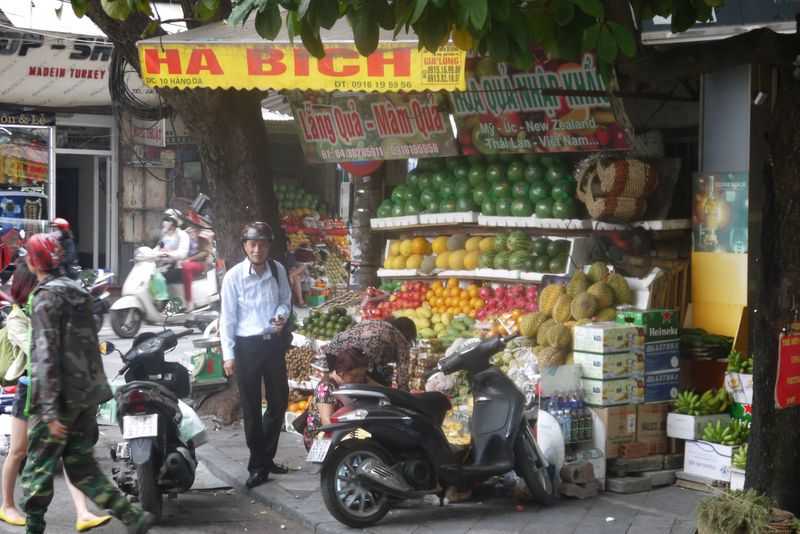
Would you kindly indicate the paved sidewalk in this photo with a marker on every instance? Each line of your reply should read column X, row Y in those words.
column 297, row 496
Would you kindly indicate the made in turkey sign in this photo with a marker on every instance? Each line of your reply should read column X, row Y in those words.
column 505, row 110
column 357, row 127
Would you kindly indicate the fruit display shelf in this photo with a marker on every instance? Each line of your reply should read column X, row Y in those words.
column 485, row 222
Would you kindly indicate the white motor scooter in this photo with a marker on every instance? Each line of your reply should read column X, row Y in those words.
column 137, row 305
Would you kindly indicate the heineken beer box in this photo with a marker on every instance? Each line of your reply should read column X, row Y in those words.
column 603, row 337
column 656, row 387
column 657, row 325
column 655, row 357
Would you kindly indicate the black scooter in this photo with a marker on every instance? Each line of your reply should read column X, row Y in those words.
column 407, row 454
column 156, row 459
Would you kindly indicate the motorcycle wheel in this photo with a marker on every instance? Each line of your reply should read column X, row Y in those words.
column 532, row 466
column 147, row 488
column 126, row 323
column 344, row 496
column 98, row 322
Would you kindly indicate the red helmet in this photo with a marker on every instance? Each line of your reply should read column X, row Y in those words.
column 61, row 223
column 44, row 252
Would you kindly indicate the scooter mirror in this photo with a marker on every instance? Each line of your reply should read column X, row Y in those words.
column 106, row 348
column 88, row 276
column 173, row 306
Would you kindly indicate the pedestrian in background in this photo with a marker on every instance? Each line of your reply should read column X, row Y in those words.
column 61, row 230
column 256, row 305
column 67, row 386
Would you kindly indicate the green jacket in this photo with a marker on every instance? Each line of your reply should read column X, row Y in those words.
column 66, row 367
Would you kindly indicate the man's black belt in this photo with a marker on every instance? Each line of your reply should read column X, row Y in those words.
column 260, row 337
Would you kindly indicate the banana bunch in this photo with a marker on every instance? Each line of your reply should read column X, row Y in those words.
column 740, row 458
column 738, row 363
column 712, row 401
column 734, row 433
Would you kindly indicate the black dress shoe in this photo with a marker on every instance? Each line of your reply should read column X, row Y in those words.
column 256, row 479
column 278, row 469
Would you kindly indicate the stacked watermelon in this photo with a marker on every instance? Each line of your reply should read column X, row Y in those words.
column 518, row 251
column 505, row 185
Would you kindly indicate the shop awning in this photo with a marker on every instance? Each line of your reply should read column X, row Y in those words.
column 220, row 56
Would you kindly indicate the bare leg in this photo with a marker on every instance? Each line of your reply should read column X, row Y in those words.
column 16, row 454
column 79, row 499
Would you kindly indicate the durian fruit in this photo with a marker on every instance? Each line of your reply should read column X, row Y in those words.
column 571, row 325
column 541, row 335
column 529, row 325
column 602, row 293
column 537, row 349
column 548, row 297
column 583, row 306
column 528, row 341
column 607, row 314
column 578, row 284
column 597, row 271
column 561, row 308
column 581, row 322
column 570, row 359
column 558, row 336
column 550, row 357
column 619, row 287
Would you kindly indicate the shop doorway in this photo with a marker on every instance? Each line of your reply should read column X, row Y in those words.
column 83, row 197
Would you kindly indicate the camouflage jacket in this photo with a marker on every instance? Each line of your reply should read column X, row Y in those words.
column 66, row 367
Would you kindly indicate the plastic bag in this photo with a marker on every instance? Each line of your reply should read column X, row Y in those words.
column 158, row 286
column 191, row 427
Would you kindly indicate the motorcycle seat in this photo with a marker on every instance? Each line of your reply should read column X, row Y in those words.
column 430, row 403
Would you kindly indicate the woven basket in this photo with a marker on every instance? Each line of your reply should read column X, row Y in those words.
column 617, row 178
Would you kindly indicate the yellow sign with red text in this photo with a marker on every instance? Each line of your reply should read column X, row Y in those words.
column 392, row 67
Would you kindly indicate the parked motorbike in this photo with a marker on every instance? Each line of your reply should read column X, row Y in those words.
column 160, row 431
column 407, row 454
column 96, row 283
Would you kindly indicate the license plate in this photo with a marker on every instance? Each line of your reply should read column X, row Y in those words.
column 319, row 449
column 139, row 426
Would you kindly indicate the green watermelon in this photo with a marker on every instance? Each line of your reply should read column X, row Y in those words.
column 530, row 264
column 399, row 209
column 501, row 260
column 500, row 242
column 486, row 260
column 447, row 205
column 479, row 192
column 519, row 241
column 521, row 207
column 518, row 260
column 504, row 206
column 385, row 209
column 413, row 207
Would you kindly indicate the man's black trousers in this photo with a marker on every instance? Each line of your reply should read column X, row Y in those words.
column 262, row 361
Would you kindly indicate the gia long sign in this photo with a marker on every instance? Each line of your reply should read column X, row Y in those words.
column 360, row 126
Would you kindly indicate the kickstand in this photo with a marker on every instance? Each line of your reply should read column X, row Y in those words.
column 441, row 495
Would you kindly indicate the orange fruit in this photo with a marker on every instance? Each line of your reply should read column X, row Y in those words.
column 473, row 290
column 420, row 245
column 452, row 282
column 465, row 309
column 472, row 313
column 429, row 295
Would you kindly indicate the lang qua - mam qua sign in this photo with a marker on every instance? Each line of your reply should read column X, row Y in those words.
column 359, row 126
column 505, row 110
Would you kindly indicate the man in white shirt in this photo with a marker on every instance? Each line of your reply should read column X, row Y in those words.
column 256, row 303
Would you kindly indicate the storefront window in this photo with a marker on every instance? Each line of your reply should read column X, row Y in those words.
column 83, row 137
column 24, row 158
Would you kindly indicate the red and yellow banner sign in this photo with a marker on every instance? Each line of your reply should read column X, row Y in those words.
column 787, row 385
column 392, row 67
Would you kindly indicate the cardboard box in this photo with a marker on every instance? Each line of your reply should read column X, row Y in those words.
column 682, row 426
column 207, row 365
column 603, row 337
column 651, row 426
column 661, row 387
column 710, row 460
column 620, row 427
column 603, row 366
column 742, row 411
column 655, row 357
column 737, row 478
column 606, row 392
column 657, row 324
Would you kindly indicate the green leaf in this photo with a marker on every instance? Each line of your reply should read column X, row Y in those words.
column 624, row 38
column 683, row 16
column 568, row 40
column 292, row 25
column 143, row 7
column 150, row 30
column 662, row 7
column 382, row 12
column 521, row 58
column 268, row 22
column 703, row 11
column 498, row 43
column 203, row 13
column 241, row 12
column 289, row 5
column 564, row 12
column 419, row 8
column 432, row 29
column 210, row 4
column 605, row 70
column 311, row 40
column 79, row 7
column 478, row 11
column 462, row 19
column 59, row 10
column 518, row 29
column 542, row 30
column 326, row 13
column 591, row 7
column 365, row 31
column 590, row 37
column 606, row 45
column 501, row 10
column 303, row 9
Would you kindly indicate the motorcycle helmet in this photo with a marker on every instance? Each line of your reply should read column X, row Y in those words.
column 44, row 251
column 173, row 216
column 61, row 223
column 258, row 231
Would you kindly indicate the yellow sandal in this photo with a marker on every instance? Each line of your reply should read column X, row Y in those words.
column 85, row 526
column 14, row 522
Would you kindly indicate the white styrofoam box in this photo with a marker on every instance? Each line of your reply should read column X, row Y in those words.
column 393, row 273
column 606, row 392
column 457, row 273
column 683, row 426
column 710, row 460
column 502, row 221
column 737, row 478
column 394, row 222
column 559, row 378
column 670, row 224
column 603, row 337
column 740, row 385
column 497, row 274
column 467, row 217
column 580, row 250
column 603, row 366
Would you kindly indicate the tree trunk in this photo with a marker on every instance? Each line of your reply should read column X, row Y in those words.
column 773, row 457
